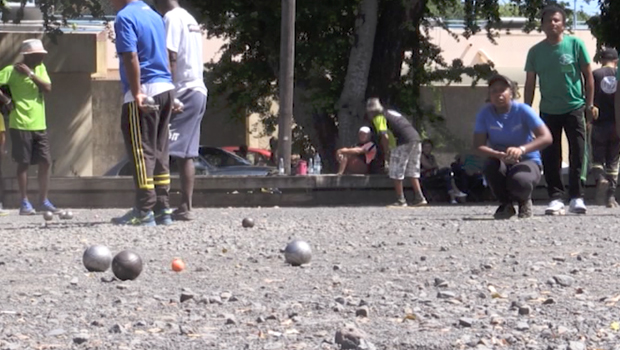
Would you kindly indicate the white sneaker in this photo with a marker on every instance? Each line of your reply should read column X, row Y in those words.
column 556, row 207
column 457, row 193
column 577, row 206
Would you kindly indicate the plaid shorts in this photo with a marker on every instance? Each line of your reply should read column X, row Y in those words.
column 405, row 161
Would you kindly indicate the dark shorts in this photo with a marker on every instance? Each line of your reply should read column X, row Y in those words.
column 30, row 147
column 185, row 126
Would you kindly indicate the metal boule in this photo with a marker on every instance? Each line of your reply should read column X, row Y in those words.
column 297, row 253
column 127, row 265
column 97, row 258
column 247, row 223
column 48, row 216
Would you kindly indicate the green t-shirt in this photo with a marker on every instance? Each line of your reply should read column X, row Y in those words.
column 29, row 112
column 559, row 72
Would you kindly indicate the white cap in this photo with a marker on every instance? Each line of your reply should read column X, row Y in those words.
column 32, row 46
column 365, row 130
column 374, row 105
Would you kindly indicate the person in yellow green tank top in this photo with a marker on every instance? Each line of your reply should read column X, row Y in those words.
column 561, row 62
column 28, row 81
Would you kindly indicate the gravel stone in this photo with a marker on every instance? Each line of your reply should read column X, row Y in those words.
column 466, row 322
column 563, row 280
column 80, row 339
column 522, row 326
column 362, row 311
column 576, row 345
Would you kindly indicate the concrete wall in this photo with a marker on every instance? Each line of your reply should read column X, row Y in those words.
column 108, row 146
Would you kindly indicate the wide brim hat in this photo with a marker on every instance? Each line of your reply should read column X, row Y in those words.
column 373, row 105
column 32, row 46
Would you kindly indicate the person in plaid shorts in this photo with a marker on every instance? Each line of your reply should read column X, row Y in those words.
column 400, row 142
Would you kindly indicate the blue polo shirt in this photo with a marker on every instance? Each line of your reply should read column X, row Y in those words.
column 512, row 129
column 140, row 29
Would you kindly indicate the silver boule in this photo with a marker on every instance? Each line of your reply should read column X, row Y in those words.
column 178, row 104
column 48, row 216
column 97, row 258
column 149, row 101
column 297, row 253
column 67, row 215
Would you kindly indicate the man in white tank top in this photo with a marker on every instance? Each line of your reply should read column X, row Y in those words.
column 184, row 43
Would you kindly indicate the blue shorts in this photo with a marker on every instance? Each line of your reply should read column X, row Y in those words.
column 185, row 126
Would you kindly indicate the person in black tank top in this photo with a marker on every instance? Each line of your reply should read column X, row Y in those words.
column 394, row 127
column 604, row 139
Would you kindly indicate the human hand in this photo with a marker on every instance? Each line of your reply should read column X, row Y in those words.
column 23, row 69
column 514, row 153
column 592, row 113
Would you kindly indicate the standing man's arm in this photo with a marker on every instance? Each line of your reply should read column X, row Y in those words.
column 591, row 111
column 127, row 48
column 586, row 71
column 42, row 82
column 132, row 71
column 174, row 31
column 530, row 87
column 530, row 78
column 172, row 57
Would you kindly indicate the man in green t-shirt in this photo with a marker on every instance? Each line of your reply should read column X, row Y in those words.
column 561, row 62
column 28, row 81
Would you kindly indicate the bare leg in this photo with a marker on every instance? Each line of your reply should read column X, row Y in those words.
column 398, row 186
column 44, row 179
column 187, row 174
column 22, row 180
column 417, row 189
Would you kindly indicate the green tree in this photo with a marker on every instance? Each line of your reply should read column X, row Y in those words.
column 606, row 26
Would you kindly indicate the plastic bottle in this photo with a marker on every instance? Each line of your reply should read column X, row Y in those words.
column 317, row 164
column 281, row 166
column 310, row 167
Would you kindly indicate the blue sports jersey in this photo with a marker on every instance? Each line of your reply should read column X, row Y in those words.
column 512, row 129
column 140, row 29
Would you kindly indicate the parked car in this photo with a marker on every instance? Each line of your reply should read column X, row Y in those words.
column 256, row 156
column 211, row 161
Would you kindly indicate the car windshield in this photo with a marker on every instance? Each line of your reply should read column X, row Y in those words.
column 220, row 158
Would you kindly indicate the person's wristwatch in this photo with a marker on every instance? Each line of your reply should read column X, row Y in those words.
column 522, row 148
column 30, row 74
column 591, row 107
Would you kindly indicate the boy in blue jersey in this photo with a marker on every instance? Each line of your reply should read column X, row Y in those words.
column 141, row 47
column 511, row 135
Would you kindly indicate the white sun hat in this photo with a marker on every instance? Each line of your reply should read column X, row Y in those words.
column 365, row 130
column 32, row 46
column 374, row 105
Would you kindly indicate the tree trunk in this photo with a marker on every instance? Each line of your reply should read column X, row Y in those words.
column 351, row 102
column 393, row 35
column 388, row 53
column 318, row 125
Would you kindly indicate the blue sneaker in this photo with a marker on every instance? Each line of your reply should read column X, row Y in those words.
column 26, row 208
column 164, row 217
column 135, row 217
column 48, row 206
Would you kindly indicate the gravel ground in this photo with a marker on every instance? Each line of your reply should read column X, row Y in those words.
column 414, row 278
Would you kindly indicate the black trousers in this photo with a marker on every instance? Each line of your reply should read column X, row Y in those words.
column 146, row 139
column 605, row 153
column 574, row 125
column 514, row 182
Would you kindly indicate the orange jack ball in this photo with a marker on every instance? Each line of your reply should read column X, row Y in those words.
column 178, row 265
